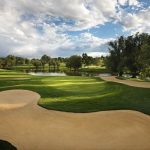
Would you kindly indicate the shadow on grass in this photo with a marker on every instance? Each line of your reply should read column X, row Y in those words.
column 112, row 97
column 78, row 94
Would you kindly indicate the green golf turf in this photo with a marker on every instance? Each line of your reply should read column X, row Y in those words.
column 79, row 94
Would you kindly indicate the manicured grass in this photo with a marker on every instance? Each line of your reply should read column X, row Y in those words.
column 8, row 74
column 81, row 94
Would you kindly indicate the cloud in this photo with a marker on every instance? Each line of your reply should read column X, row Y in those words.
column 91, row 43
column 97, row 54
column 129, row 2
column 32, row 28
column 86, row 13
column 138, row 22
column 83, row 43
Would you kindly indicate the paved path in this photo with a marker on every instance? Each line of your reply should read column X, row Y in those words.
column 127, row 82
column 30, row 127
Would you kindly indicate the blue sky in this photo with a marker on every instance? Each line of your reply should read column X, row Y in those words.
column 32, row 28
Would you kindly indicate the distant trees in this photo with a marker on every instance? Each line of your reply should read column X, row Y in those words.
column 1, row 63
column 131, row 54
column 20, row 61
column 87, row 60
column 53, row 64
column 10, row 61
column 47, row 63
column 74, row 62
column 45, row 60
column 36, row 63
column 27, row 61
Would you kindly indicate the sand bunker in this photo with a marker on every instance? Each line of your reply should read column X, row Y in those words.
column 34, row 128
column 16, row 98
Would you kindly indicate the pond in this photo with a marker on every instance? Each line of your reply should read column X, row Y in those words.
column 67, row 74
column 104, row 74
column 47, row 74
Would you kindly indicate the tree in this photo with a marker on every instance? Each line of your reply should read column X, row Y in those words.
column 49, row 63
column 20, row 61
column 36, row 63
column 10, row 61
column 27, row 61
column 1, row 63
column 132, row 53
column 53, row 64
column 44, row 60
column 144, row 57
column 86, row 60
column 115, row 61
column 74, row 62
column 68, row 63
column 57, row 65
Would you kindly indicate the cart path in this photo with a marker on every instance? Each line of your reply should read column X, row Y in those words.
column 127, row 82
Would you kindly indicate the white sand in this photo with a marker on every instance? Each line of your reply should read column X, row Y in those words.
column 30, row 127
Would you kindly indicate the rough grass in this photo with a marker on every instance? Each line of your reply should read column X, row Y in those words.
column 80, row 94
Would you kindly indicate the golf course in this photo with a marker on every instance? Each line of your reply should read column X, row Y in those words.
column 74, row 74
column 78, row 94
column 58, row 112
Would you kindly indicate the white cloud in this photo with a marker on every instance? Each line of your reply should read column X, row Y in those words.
column 88, row 43
column 136, row 22
column 129, row 2
column 27, row 27
column 97, row 54
column 86, row 13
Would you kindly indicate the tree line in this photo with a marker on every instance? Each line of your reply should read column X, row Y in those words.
column 11, row 61
column 130, row 55
column 73, row 62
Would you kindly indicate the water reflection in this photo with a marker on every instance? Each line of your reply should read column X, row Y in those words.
column 104, row 74
column 72, row 73
column 47, row 74
column 40, row 72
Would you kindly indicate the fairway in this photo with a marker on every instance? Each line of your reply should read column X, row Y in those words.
column 79, row 94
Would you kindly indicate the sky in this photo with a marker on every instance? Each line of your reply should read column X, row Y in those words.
column 61, row 28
